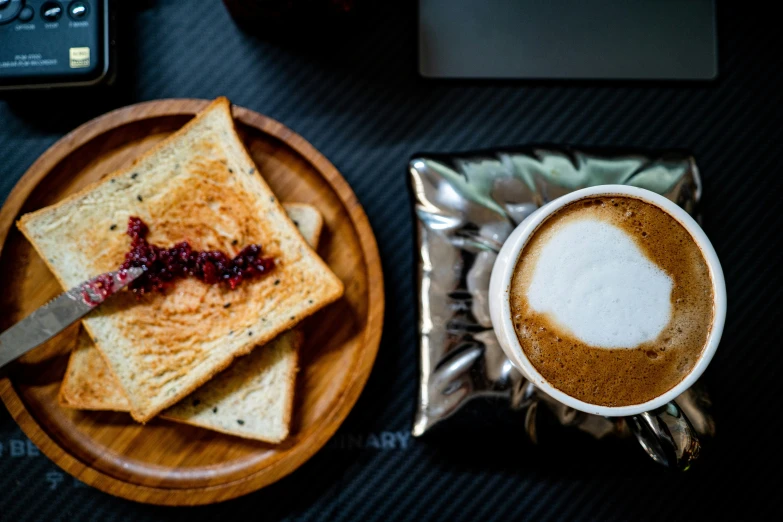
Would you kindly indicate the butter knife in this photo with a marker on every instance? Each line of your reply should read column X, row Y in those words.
column 61, row 312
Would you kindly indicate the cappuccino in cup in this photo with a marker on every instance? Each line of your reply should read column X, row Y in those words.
column 612, row 300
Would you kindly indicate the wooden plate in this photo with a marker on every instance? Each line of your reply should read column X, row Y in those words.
column 165, row 462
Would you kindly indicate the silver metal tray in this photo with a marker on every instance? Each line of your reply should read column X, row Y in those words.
column 466, row 205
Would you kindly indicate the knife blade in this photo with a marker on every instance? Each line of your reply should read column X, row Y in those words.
column 61, row 312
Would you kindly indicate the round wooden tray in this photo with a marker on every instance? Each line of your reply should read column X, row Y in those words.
column 165, row 462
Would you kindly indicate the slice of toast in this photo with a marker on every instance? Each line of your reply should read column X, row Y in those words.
column 257, row 389
column 199, row 185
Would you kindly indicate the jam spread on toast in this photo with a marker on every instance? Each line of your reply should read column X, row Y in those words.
column 162, row 266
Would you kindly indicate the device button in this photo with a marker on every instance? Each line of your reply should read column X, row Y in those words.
column 9, row 9
column 51, row 11
column 26, row 14
column 78, row 10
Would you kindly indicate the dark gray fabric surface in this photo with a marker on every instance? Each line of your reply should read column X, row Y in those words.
column 356, row 97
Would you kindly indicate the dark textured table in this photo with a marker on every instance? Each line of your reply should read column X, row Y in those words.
column 358, row 99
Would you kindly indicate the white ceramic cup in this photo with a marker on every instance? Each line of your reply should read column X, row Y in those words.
column 500, row 307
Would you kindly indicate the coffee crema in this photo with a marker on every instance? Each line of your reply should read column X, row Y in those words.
column 612, row 300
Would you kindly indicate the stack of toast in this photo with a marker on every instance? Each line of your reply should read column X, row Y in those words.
column 200, row 354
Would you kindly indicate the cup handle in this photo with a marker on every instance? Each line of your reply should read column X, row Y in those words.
column 667, row 436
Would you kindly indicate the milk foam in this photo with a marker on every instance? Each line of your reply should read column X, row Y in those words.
column 593, row 279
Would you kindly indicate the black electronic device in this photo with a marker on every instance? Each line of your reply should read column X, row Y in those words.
column 47, row 43
column 568, row 39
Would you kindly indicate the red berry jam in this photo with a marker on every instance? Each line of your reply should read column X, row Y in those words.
column 102, row 287
column 162, row 266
